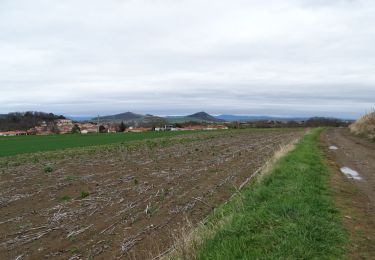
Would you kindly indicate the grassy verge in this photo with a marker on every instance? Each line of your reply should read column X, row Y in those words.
column 289, row 214
column 365, row 126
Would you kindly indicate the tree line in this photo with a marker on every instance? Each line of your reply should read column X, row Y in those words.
column 25, row 120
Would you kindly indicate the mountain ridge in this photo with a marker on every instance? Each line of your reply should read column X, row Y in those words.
column 122, row 116
column 130, row 116
column 205, row 116
column 246, row 118
column 201, row 117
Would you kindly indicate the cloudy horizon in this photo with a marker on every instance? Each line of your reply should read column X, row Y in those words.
column 168, row 57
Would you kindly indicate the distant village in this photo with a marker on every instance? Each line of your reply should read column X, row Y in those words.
column 67, row 126
column 40, row 123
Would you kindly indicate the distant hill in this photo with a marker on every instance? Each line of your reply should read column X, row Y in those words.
column 79, row 118
column 201, row 117
column 244, row 118
column 205, row 117
column 150, row 121
column 181, row 119
column 121, row 117
column 133, row 119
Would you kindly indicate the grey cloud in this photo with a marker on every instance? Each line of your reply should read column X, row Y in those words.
column 267, row 57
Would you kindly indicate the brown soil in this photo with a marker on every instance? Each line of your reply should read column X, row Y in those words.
column 137, row 199
column 355, row 198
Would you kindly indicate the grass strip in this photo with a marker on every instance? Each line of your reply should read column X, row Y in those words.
column 289, row 214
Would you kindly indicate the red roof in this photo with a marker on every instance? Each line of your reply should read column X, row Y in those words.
column 13, row 132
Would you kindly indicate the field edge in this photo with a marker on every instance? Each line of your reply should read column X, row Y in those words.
column 273, row 217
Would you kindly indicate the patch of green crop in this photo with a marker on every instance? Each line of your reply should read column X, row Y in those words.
column 30, row 144
column 84, row 194
column 69, row 178
column 47, row 168
column 65, row 198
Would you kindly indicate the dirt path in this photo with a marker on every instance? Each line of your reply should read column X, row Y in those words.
column 355, row 197
column 357, row 154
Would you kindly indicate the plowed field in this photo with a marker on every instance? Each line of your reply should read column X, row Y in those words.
column 124, row 201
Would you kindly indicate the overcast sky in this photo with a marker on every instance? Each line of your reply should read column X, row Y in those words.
column 269, row 57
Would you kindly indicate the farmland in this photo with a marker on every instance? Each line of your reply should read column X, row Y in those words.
column 126, row 199
column 31, row 144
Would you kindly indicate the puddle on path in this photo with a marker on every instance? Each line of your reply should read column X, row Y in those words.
column 351, row 174
column 332, row 147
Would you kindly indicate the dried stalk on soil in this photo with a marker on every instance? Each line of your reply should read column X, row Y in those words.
column 74, row 233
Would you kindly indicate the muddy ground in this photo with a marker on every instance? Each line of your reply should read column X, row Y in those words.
column 357, row 154
column 126, row 203
column 354, row 197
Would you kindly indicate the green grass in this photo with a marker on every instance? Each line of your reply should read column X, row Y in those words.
column 47, row 169
column 84, row 194
column 288, row 215
column 30, row 144
column 65, row 198
column 70, row 178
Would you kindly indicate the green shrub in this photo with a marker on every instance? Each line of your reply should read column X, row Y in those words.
column 84, row 194
column 47, row 169
column 65, row 198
